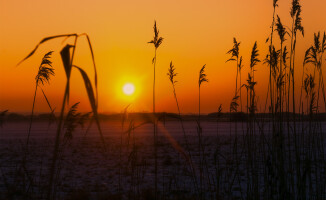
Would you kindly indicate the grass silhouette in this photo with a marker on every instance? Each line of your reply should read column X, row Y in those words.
column 67, row 59
column 44, row 74
column 157, row 41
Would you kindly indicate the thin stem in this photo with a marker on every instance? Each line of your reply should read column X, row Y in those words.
column 154, row 126
column 31, row 122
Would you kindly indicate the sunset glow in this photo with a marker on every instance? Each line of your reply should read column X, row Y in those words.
column 195, row 33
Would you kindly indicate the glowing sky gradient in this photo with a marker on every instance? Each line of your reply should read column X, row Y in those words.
column 195, row 33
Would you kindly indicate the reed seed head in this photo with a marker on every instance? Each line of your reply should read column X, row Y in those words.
column 171, row 73
column 45, row 70
column 157, row 41
column 202, row 76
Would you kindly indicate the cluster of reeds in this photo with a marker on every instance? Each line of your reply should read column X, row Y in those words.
column 283, row 148
column 73, row 119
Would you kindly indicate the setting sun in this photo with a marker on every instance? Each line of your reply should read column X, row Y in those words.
column 128, row 89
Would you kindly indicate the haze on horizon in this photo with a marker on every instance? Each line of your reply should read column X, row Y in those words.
column 195, row 33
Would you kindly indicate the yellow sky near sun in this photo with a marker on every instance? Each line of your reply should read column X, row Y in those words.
column 195, row 33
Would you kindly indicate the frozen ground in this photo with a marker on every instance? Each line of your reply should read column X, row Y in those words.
column 126, row 168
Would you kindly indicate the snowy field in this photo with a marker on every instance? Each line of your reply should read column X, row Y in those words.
column 221, row 167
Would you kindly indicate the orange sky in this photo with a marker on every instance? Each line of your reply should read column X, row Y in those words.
column 195, row 32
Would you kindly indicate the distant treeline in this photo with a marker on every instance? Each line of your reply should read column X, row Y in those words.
column 163, row 116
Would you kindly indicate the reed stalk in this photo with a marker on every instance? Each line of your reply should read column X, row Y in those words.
column 157, row 41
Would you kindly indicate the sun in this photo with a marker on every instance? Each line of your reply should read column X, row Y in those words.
column 128, row 89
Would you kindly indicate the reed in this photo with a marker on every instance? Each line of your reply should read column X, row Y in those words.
column 235, row 57
column 251, row 143
column 45, row 71
column 156, row 41
column 172, row 74
column 201, row 79
column 270, row 55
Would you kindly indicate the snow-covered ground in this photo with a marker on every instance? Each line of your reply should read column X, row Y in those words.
column 126, row 167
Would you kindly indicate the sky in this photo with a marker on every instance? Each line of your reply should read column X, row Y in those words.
column 195, row 33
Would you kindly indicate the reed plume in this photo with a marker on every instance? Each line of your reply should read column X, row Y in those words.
column 171, row 73
column 309, row 85
column 235, row 57
column 254, row 59
column 73, row 120
column 202, row 78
